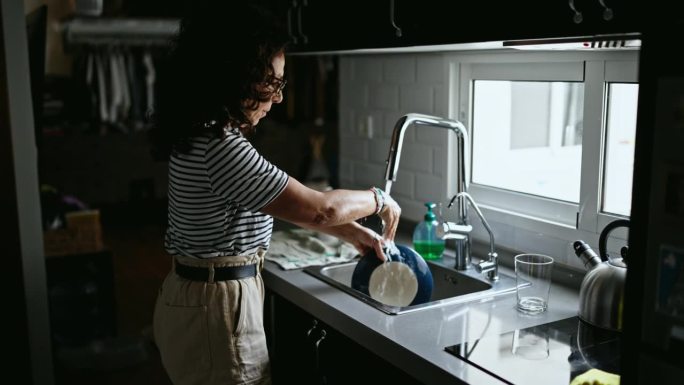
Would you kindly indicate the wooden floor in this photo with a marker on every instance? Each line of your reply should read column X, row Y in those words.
column 139, row 265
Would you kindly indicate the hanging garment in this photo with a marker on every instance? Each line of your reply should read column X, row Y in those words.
column 125, row 90
column 101, row 88
column 136, row 84
column 149, row 81
column 115, row 91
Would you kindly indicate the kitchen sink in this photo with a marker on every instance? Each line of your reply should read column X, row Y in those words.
column 450, row 286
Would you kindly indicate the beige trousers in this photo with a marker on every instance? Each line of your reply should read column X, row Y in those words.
column 212, row 332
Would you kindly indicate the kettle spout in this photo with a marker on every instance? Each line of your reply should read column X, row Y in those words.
column 586, row 254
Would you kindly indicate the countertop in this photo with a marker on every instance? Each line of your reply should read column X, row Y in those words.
column 416, row 341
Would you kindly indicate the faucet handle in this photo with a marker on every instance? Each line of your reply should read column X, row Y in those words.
column 489, row 266
column 450, row 230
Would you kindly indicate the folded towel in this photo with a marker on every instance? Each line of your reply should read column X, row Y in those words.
column 596, row 377
column 297, row 248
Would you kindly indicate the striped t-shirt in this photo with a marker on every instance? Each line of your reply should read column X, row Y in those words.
column 215, row 193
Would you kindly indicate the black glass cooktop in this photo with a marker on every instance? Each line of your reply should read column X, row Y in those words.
column 553, row 353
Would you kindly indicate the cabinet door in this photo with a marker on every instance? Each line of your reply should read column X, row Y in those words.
column 288, row 332
column 343, row 25
column 323, row 25
column 304, row 350
column 343, row 362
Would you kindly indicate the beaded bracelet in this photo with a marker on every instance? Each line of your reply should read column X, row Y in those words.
column 379, row 199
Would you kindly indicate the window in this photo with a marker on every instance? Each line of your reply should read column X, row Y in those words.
column 536, row 131
column 552, row 135
column 619, row 155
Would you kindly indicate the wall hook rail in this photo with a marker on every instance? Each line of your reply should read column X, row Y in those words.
column 607, row 11
column 577, row 18
column 397, row 30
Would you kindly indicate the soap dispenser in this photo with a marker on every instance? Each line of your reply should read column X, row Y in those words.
column 425, row 239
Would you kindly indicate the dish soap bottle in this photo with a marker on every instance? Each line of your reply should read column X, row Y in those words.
column 425, row 239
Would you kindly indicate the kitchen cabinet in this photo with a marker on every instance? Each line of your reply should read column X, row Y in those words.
column 318, row 25
column 430, row 22
column 304, row 350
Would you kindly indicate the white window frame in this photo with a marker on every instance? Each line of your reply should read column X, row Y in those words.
column 564, row 220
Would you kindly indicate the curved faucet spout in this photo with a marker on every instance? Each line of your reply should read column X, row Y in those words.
column 463, row 168
column 426, row 120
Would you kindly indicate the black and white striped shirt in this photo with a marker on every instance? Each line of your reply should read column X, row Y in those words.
column 215, row 193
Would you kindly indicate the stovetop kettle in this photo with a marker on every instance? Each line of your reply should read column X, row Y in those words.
column 602, row 290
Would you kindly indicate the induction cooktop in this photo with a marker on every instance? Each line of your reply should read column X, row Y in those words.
column 552, row 353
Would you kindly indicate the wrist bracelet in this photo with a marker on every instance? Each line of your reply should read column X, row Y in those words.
column 379, row 199
column 376, row 199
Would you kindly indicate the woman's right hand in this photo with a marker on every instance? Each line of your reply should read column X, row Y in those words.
column 390, row 215
column 362, row 238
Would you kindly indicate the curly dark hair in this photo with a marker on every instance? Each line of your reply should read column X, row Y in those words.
column 210, row 78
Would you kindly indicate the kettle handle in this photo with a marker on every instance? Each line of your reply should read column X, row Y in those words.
column 603, row 238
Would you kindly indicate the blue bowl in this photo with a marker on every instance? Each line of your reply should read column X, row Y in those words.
column 404, row 280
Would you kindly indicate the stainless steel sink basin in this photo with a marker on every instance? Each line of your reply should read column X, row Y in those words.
column 450, row 286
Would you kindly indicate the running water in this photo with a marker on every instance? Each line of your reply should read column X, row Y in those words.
column 388, row 186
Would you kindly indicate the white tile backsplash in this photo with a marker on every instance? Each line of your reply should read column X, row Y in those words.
column 410, row 208
column 346, row 169
column 378, row 149
column 346, row 71
column 429, row 188
column 417, row 98
column 399, row 70
column 530, row 242
column 354, row 148
column 430, row 69
column 404, row 186
column 433, row 136
column 367, row 174
column 378, row 118
column 347, row 123
column 441, row 105
column 354, row 95
column 385, row 96
column 439, row 163
column 367, row 69
column 416, row 157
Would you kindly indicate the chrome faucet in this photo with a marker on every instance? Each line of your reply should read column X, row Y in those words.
column 489, row 267
column 462, row 243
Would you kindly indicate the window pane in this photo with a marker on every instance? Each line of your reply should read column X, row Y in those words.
column 619, row 158
column 527, row 137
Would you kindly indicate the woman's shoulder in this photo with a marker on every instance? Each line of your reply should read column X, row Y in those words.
column 230, row 138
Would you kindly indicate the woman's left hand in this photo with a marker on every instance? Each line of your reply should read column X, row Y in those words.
column 390, row 215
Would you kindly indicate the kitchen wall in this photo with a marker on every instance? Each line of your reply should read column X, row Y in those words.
column 375, row 91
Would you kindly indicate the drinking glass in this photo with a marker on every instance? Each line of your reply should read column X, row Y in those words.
column 533, row 280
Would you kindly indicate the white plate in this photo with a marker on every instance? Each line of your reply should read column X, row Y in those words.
column 393, row 283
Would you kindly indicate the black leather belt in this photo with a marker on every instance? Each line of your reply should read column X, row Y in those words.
column 224, row 273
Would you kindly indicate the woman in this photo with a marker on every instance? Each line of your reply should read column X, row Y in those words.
column 225, row 73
